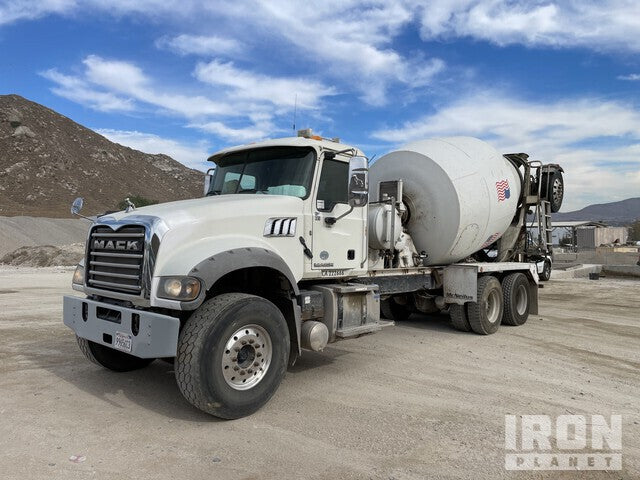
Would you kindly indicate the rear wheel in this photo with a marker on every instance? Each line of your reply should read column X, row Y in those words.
column 232, row 355
column 515, row 288
column 109, row 358
column 394, row 311
column 459, row 318
column 485, row 314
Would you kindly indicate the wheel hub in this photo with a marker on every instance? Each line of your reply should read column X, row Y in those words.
column 246, row 357
column 557, row 191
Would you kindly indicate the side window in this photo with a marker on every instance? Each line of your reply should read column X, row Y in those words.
column 333, row 185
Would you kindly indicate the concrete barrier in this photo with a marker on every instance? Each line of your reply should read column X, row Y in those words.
column 622, row 270
column 579, row 271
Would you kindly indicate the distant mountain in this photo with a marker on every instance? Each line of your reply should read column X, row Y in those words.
column 614, row 213
column 46, row 160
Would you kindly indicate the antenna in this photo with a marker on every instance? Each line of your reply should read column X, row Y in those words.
column 295, row 111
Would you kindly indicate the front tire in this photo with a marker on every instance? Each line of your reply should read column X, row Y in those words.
column 485, row 314
column 545, row 275
column 232, row 355
column 111, row 359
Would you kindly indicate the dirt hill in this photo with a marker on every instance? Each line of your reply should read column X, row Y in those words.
column 614, row 213
column 46, row 160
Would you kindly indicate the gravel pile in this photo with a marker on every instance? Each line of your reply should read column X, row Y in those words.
column 45, row 256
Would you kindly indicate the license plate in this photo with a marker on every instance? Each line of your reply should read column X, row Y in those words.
column 123, row 342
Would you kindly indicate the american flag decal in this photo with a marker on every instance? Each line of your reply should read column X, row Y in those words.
column 503, row 189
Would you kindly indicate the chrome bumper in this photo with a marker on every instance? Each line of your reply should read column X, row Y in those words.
column 156, row 335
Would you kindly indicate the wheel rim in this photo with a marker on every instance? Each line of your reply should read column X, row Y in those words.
column 246, row 357
column 522, row 300
column 493, row 306
column 558, row 191
column 547, row 269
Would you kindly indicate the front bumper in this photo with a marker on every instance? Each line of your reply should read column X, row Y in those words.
column 157, row 335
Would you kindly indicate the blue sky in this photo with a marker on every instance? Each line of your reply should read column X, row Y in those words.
column 559, row 80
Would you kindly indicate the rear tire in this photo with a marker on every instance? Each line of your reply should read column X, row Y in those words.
column 485, row 314
column 232, row 355
column 394, row 311
column 111, row 359
column 459, row 318
column 517, row 297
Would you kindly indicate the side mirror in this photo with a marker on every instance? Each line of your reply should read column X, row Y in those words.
column 208, row 177
column 77, row 205
column 358, row 182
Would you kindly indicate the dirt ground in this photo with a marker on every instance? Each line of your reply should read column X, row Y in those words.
column 415, row 401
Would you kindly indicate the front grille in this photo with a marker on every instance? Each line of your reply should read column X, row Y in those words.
column 115, row 259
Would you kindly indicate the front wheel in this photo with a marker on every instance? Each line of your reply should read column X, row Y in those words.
column 109, row 358
column 545, row 275
column 232, row 355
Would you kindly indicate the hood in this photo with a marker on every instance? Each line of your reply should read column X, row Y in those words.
column 216, row 207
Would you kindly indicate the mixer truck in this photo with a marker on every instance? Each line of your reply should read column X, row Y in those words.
column 299, row 242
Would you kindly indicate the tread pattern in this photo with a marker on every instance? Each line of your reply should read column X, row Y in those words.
column 477, row 310
column 190, row 346
column 83, row 343
column 509, row 285
column 459, row 319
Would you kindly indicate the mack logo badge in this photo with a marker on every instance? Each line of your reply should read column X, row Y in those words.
column 116, row 244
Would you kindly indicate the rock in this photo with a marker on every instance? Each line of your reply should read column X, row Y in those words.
column 23, row 131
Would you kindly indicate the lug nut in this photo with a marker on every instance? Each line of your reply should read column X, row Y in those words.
column 258, row 354
column 234, row 359
column 244, row 342
column 236, row 368
column 251, row 340
column 255, row 364
column 242, row 372
column 249, row 371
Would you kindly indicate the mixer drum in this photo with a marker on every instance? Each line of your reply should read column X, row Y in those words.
column 460, row 192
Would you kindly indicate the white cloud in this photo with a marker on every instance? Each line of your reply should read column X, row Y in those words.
column 79, row 91
column 12, row 11
column 193, row 156
column 249, row 86
column 241, row 97
column 599, row 25
column 125, row 78
column 632, row 77
column 348, row 40
column 186, row 44
column 241, row 135
column 568, row 132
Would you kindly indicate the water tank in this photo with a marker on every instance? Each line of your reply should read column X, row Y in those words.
column 461, row 194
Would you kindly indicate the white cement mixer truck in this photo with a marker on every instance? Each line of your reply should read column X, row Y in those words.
column 297, row 243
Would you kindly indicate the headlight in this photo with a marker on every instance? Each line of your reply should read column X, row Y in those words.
column 78, row 276
column 183, row 289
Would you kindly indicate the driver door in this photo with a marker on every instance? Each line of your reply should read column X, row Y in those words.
column 338, row 249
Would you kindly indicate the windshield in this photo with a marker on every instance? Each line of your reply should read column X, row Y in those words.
column 267, row 171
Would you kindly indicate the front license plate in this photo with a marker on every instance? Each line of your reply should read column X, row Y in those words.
column 122, row 342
